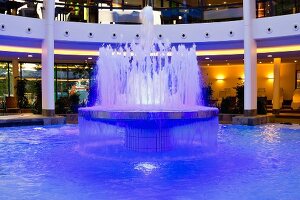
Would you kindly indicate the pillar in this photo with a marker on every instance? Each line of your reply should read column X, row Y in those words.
column 48, row 107
column 276, row 86
column 16, row 75
column 250, row 59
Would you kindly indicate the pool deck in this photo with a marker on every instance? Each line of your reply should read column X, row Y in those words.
column 31, row 119
column 286, row 118
column 28, row 119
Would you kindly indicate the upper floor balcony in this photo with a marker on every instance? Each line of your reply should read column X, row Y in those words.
column 166, row 11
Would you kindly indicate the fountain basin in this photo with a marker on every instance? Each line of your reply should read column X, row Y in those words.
column 150, row 129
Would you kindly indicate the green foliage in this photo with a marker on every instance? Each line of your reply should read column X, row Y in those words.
column 235, row 105
column 21, row 90
column 239, row 98
column 74, row 102
column 62, row 105
column 37, row 91
column 228, row 105
column 262, row 105
column 207, row 93
column 67, row 104
column 3, row 87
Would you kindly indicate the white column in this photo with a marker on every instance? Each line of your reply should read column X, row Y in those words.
column 48, row 108
column 276, row 86
column 250, row 59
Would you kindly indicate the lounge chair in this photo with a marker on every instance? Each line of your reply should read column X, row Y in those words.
column 296, row 100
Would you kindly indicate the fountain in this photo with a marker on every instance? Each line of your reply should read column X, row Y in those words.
column 149, row 99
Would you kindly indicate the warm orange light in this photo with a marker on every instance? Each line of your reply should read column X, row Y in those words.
column 76, row 52
column 242, row 77
column 220, row 77
column 270, row 76
column 220, row 52
column 276, row 49
column 20, row 49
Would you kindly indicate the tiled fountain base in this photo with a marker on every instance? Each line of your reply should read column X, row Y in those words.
column 149, row 131
column 149, row 140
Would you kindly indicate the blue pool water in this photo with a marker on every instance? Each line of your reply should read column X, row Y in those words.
column 261, row 162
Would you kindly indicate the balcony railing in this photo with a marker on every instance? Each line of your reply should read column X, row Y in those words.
column 104, row 11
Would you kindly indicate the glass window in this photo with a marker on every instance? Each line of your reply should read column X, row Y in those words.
column 72, row 79
column 79, row 80
column 62, row 84
column 3, row 81
column 6, row 79
column 31, row 72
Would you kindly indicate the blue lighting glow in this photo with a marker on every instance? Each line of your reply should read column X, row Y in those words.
column 260, row 162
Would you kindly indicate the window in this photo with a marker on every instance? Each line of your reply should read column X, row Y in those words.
column 31, row 72
column 72, row 78
column 6, row 77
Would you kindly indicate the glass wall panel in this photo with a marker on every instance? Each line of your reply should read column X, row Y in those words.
column 31, row 72
column 72, row 78
column 3, row 83
column 62, row 83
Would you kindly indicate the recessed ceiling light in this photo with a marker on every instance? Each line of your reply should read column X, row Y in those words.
column 207, row 58
column 179, row 17
column 90, row 58
column 209, row 4
column 270, row 56
column 225, row 2
column 295, row 61
column 18, row 58
column 29, row 56
column 207, row 64
column 260, row 62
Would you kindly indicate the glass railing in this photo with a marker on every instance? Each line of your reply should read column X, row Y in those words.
column 106, row 12
column 269, row 8
column 23, row 8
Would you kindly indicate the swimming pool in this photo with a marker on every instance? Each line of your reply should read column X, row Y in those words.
column 261, row 162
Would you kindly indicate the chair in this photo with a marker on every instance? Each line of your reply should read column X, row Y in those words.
column 296, row 100
column 222, row 94
column 30, row 11
column 11, row 105
column 228, row 92
column 261, row 92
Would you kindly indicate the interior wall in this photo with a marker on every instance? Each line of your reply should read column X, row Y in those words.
column 222, row 77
